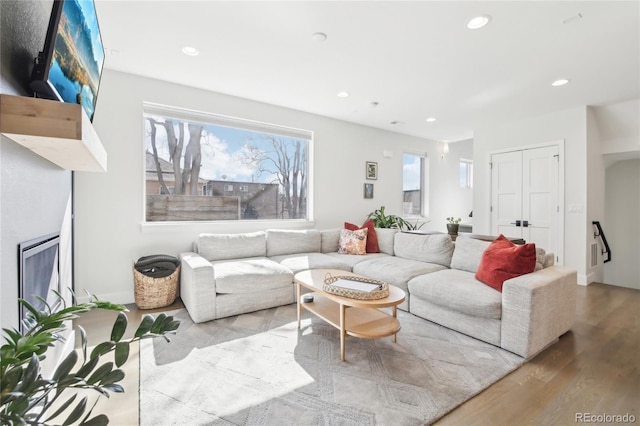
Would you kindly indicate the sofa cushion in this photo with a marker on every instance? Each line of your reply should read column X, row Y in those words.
column 503, row 260
column 457, row 290
column 372, row 239
column 329, row 239
column 353, row 259
column 280, row 241
column 385, row 239
column 433, row 248
column 541, row 257
column 249, row 275
column 467, row 253
column 303, row 261
column 394, row 270
column 232, row 246
column 549, row 259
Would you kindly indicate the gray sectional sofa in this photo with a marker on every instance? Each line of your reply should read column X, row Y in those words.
column 231, row 274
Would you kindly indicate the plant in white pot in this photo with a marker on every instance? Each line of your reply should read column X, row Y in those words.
column 453, row 225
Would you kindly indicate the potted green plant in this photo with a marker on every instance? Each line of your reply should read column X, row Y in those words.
column 453, row 225
column 383, row 220
column 28, row 398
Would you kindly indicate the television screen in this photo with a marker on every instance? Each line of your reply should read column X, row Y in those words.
column 72, row 60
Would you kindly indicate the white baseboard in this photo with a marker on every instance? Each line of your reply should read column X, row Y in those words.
column 122, row 297
column 587, row 279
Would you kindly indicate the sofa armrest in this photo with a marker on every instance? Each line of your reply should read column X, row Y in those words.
column 537, row 308
column 198, row 287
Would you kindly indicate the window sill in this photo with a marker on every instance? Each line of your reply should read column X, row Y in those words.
column 225, row 227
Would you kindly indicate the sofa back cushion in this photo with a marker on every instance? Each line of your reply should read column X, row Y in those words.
column 232, row 246
column 434, row 248
column 385, row 240
column 329, row 240
column 467, row 253
column 280, row 241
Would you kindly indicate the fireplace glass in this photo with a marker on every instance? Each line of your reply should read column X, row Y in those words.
column 39, row 272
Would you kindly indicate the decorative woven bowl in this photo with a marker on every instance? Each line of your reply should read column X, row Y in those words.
column 328, row 287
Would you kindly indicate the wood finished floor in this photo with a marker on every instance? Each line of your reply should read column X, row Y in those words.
column 594, row 368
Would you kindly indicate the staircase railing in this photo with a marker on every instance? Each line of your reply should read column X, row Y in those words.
column 599, row 232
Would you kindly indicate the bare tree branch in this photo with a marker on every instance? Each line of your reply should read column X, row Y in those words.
column 154, row 147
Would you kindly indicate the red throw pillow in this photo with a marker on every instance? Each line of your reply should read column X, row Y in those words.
column 372, row 238
column 503, row 260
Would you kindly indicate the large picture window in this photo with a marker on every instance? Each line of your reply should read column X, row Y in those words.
column 205, row 167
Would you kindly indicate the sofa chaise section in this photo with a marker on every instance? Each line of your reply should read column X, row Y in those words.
column 530, row 313
column 230, row 275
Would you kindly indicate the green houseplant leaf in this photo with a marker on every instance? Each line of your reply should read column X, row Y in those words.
column 119, row 327
column 383, row 220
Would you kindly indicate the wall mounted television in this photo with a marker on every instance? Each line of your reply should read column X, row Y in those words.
column 69, row 67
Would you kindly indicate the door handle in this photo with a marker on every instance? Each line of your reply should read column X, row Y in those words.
column 526, row 223
column 516, row 223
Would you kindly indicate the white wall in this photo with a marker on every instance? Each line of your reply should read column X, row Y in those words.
column 595, row 193
column 446, row 197
column 568, row 125
column 619, row 126
column 108, row 205
column 622, row 218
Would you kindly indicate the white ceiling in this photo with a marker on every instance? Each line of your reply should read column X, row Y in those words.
column 416, row 59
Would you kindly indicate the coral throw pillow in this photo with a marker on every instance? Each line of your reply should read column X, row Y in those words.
column 353, row 242
column 503, row 260
column 372, row 238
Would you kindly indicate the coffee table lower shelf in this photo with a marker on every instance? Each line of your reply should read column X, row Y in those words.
column 359, row 322
column 365, row 323
column 353, row 317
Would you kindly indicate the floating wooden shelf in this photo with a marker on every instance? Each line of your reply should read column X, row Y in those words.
column 58, row 131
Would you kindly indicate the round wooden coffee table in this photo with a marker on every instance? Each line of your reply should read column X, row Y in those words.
column 362, row 319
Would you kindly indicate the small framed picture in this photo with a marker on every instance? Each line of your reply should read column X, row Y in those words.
column 371, row 170
column 368, row 190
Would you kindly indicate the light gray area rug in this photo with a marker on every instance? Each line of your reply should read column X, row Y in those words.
column 259, row 369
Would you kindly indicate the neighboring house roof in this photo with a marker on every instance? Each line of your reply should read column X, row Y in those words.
column 165, row 166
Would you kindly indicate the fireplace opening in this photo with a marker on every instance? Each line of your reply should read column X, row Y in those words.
column 39, row 273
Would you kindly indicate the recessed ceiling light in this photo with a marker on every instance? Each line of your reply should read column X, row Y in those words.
column 319, row 37
column 431, row 119
column 478, row 22
column 560, row 82
column 343, row 94
column 190, row 51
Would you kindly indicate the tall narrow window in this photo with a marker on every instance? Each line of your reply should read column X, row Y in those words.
column 414, row 194
column 204, row 167
column 466, row 173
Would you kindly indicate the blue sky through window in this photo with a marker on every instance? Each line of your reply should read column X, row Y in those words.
column 227, row 151
column 411, row 165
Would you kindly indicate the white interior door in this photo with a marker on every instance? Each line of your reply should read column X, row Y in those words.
column 506, row 194
column 540, row 208
column 525, row 196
